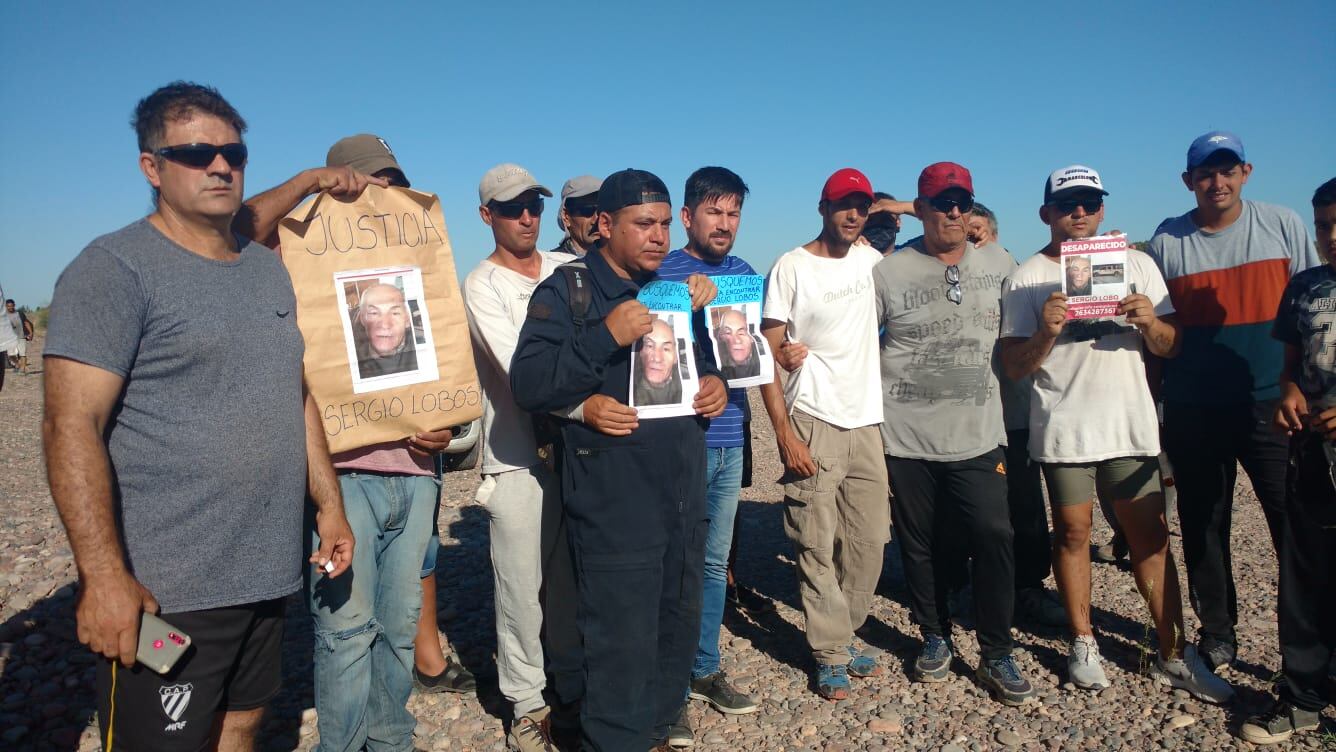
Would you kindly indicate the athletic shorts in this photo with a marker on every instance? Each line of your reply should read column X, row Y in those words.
column 1115, row 479
column 234, row 663
column 20, row 350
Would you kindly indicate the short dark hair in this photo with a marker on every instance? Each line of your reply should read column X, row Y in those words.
column 10, row 301
column 882, row 196
column 177, row 101
column 712, row 184
column 980, row 210
column 1325, row 195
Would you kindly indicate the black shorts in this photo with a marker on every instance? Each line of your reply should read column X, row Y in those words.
column 234, row 663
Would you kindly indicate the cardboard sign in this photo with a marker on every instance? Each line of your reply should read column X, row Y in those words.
column 1094, row 275
column 663, row 365
column 734, row 319
column 378, row 305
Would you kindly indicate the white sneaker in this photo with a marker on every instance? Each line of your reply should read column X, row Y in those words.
column 1084, row 666
column 1190, row 673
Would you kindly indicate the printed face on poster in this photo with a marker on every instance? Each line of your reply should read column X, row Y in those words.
column 663, row 372
column 1094, row 276
column 386, row 329
column 735, row 331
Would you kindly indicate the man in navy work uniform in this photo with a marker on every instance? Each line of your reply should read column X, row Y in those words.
column 633, row 491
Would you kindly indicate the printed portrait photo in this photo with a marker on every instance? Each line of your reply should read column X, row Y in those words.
column 1078, row 275
column 385, row 328
column 657, row 364
column 739, row 348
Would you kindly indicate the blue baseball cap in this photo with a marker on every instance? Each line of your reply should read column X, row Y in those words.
column 1209, row 143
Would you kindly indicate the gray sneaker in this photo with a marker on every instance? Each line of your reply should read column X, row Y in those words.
column 1279, row 724
column 716, row 690
column 532, row 732
column 1084, row 666
column 680, row 735
column 1190, row 673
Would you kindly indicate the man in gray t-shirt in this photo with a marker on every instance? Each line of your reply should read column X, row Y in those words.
column 178, row 440
column 939, row 306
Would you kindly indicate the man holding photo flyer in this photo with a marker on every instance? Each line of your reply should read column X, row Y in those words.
column 711, row 214
column 1092, row 419
column 633, row 488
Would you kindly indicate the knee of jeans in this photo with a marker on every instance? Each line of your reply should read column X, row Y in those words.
column 330, row 640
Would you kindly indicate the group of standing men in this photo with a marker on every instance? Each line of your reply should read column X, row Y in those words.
column 610, row 546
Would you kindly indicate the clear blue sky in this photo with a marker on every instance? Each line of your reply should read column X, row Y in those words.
column 783, row 93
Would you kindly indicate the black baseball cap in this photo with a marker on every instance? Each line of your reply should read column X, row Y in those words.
column 631, row 188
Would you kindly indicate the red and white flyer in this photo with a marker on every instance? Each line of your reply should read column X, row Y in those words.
column 1094, row 276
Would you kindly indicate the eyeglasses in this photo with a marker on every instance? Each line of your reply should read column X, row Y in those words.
column 943, row 205
column 954, row 293
column 516, row 209
column 1068, row 205
column 582, row 210
column 200, row 156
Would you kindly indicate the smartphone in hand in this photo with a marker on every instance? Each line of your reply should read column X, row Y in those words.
column 160, row 644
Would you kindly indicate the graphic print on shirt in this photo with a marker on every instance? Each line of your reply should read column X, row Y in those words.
column 948, row 363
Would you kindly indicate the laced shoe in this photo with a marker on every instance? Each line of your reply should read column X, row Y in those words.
column 1004, row 681
column 934, row 660
column 716, row 690
column 862, row 665
column 1085, row 668
column 1190, row 673
column 532, row 732
column 1279, row 724
column 832, row 681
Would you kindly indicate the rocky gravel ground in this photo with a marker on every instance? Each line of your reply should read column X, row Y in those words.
column 46, row 677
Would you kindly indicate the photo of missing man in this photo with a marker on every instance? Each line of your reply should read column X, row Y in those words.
column 737, row 350
column 1078, row 275
column 656, row 378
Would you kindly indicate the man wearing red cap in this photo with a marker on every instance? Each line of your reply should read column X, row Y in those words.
column 939, row 301
column 821, row 294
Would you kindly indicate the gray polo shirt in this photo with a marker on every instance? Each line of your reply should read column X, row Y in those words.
column 939, row 360
column 208, row 440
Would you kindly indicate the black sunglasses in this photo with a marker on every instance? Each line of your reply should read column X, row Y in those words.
column 943, row 204
column 582, row 210
column 516, row 209
column 954, row 293
column 1068, row 205
column 200, row 156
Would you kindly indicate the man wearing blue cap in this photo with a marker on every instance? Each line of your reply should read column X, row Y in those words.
column 1226, row 264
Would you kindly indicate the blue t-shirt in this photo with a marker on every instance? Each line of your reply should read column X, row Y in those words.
column 727, row 429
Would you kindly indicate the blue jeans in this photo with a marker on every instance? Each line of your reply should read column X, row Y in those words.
column 365, row 619
column 723, row 482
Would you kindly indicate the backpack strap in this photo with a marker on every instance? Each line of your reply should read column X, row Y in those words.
column 577, row 289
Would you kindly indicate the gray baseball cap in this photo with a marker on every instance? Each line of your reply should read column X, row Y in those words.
column 365, row 153
column 506, row 181
column 581, row 185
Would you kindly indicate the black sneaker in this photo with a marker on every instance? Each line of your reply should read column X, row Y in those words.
column 1279, row 724
column 1004, row 680
column 455, row 678
column 934, row 660
column 680, row 735
column 1216, row 653
column 716, row 690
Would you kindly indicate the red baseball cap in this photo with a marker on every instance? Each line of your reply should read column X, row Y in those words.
column 845, row 182
column 938, row 177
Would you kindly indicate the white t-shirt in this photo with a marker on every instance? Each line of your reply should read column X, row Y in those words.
column 828, row 304
column 1091, row 401
column 496, row 300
